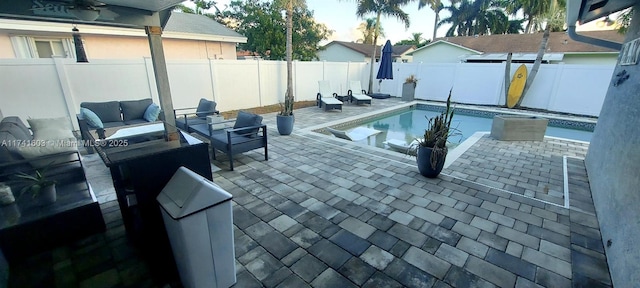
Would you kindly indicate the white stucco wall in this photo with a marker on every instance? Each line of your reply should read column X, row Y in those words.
column 440, row 53
column 339, row 53
column 121, row 47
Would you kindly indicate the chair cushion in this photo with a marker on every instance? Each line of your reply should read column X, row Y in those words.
column 205, row 108
column 152, row 112
column 92, row 119
column 134, row 109
column 51, row 128
column 246, row 119
column 107, row 111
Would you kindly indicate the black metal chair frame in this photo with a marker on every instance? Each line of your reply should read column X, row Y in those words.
column 358, row 102
column 239, row 140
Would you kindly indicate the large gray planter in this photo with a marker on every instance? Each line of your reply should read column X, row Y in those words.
column 408, row 91
column 518, row 128
column 285, row 124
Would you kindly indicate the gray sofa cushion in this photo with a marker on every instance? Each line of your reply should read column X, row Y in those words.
column 107, row 111
column 134, row 109
column 12, row 131
column 205, row 108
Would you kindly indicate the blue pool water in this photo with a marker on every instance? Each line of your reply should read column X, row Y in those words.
column 410, row 124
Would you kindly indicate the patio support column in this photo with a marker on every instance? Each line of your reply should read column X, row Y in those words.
column 154, row 34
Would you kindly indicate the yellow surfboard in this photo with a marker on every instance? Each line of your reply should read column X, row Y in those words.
column 517, row 86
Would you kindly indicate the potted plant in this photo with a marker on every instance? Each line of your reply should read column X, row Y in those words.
column 432, row 149
column 284, row 119
column 409, row 88
column 39, row 185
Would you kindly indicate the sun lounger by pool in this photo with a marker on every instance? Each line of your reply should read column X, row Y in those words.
column 356, row 93
column 400, row 145
column 356, row 134
column 326, row 97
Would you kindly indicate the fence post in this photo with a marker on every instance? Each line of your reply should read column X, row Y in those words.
column 259, row 81
column 212, row 81
column 67, row 95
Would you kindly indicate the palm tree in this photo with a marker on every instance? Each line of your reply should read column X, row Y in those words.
column 477, row 17
column 289, row 6
column 533, row 11
column 368, row 29
column 416, row 38
column 436, row 6
column 381, row 7
column 459, row 18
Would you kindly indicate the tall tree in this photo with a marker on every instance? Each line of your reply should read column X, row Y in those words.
column 265, row 28
column 201, row 7
column 534, row 11
column 477, row 17
column 368, row 28
column 389, row 8
column 416, row 40
column 436, row 6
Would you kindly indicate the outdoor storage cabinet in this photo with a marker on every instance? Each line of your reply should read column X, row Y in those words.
column 198, row 217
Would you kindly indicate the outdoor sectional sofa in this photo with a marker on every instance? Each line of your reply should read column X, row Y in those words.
column 99, row 115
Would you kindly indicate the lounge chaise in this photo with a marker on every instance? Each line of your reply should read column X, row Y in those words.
column 326, row 97
column 356, row 134
column 356, row 93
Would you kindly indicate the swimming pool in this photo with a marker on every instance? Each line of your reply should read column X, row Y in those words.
column 409, row 124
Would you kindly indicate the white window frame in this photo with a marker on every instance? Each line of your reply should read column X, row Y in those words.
column 25, row 46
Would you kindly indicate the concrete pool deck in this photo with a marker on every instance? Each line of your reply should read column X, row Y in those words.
column 325, row 212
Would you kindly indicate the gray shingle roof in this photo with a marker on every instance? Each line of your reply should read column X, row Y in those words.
column 197, row 24
column 366, row 48
column 530, row 43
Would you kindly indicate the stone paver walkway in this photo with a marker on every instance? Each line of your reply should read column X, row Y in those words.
column 323, row 212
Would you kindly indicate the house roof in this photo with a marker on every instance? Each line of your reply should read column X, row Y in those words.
column 179, row 26
column 366, row 48
column 559, row 42
column 197, row 24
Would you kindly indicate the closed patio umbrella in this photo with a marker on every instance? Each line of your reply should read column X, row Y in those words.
column 385, row 71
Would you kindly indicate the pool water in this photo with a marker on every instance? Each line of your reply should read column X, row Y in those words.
column 411, row 124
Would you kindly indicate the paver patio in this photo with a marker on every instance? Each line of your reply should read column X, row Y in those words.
column 324, row 212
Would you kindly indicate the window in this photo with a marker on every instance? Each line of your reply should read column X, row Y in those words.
column 40, row 47
column 49, row 48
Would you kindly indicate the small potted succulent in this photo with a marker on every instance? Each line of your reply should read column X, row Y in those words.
column 39, row 185
column 431, row 149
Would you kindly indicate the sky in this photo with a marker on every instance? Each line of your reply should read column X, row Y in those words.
column 339, row 16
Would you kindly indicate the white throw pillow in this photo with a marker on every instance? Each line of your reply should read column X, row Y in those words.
column 51, row 128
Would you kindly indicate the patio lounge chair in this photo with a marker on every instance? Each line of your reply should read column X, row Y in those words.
column 358, row 94
column 184, row 120
column 248, row 133
column 326, row 97
column 356, row 134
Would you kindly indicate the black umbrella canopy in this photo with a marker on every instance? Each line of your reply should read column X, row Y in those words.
column 386, row 70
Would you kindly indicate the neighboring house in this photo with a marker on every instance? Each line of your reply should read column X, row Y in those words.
column 340, row 51
column 494, row 48
column 186, row 36
column 247, row 55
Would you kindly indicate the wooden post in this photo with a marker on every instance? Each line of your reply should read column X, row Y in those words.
column 154, row 34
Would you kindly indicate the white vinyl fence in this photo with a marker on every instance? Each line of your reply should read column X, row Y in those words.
column 41, row 88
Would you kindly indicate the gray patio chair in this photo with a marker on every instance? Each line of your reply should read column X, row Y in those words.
column 326, row 97
column 195, row 115
column 248, row 133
